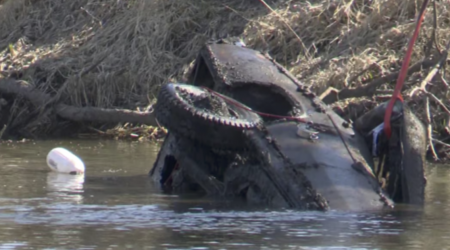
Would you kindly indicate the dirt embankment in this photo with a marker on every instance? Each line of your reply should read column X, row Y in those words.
column 68, row 63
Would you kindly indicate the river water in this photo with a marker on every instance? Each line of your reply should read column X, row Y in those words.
column 115, row 206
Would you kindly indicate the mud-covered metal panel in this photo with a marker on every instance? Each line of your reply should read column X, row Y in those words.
column 328, row 166
column 414, row 143
column 234, row 66
column 248, row 76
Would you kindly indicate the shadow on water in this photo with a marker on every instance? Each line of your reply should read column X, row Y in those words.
column 115, row 206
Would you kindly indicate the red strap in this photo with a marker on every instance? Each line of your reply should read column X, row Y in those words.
column 403, row 72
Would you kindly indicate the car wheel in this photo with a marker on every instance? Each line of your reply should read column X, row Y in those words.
column 197, row 113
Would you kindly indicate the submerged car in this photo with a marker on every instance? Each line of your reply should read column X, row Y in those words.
column 243, row 127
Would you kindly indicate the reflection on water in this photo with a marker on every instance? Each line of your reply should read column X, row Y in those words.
column 65, row 186
column 115, row 206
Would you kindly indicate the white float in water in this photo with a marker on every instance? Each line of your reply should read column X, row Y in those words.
column 63, row 161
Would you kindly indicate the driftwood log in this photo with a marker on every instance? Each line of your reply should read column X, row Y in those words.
column 78, row 114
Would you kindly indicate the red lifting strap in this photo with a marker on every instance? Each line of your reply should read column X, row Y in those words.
column 404, row 70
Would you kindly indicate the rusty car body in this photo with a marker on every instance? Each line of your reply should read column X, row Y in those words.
column 279, row 144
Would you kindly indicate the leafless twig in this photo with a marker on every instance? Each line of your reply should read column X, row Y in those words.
column 430, row 129
column 447, row 110
column 432, row 72
column 441, row 143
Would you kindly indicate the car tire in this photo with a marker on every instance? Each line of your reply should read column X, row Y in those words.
column 183, row 109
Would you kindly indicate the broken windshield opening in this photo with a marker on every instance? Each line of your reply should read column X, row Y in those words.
column 263, row 99
column 201, row 76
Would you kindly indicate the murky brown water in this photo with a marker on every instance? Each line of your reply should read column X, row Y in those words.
column 116, row 207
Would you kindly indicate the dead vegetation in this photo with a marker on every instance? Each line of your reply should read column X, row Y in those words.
column 115, row 54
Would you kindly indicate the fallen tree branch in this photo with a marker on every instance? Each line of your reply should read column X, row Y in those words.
column 79, row 114
column 432, row 72
column 430, row 77
column 44, row 111
column 332, row 95
column 430, row 129
column 93, row 114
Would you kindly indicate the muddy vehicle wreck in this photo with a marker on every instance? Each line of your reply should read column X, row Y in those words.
column 243, row 127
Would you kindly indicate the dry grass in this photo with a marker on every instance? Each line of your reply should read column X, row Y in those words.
column 344, row 38
column 116, row 53
column 122, row 49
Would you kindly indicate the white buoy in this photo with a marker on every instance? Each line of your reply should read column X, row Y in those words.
column 63, row 161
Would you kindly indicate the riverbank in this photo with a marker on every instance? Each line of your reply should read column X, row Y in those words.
column 75, row 67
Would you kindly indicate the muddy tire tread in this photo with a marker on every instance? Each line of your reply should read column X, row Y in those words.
column 206, row 128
